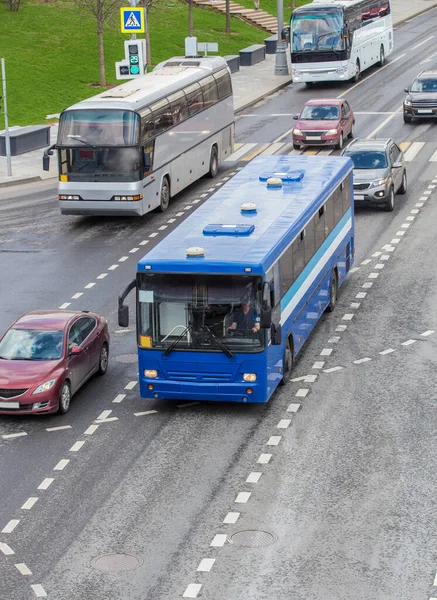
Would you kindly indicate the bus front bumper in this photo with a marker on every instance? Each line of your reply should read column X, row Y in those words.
column 101, row 207
column 205, row 392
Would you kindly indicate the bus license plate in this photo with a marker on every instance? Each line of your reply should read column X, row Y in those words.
column 9, row 405
column 424, row 111
column 359, row 197
column 314, row 137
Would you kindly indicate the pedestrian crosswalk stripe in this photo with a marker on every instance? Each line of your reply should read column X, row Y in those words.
column 272, row 149
column 255, row 152
column 404, row 145
column 243, row 149
column 434, row 157
column 326, row 152
column 414, row 149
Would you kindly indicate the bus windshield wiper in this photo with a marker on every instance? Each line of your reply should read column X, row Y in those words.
column 218, row 342
column 177, row 340
column 83, row 141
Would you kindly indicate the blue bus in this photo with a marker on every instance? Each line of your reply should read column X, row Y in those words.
column 226, row 301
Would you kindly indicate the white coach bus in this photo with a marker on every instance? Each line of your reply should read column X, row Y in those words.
column 128, row 150
column 335, row 40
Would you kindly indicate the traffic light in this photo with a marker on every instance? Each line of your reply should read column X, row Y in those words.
column 134, row 64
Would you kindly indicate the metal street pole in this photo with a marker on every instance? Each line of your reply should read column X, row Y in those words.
column 5, row 110
column 281, row 64
column 133, row 36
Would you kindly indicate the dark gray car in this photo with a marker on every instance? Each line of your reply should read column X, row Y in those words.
column 421, row 102
column 379, row 171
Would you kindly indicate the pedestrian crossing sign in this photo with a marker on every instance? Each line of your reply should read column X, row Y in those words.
column 132, row 20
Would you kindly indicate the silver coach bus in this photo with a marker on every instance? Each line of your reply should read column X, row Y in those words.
column 128, row 150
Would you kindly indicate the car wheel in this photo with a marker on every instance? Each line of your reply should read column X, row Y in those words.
column 213, row 163
column 296, row 146
column 352, row 131
column 356, row 77
column 381, row 56
column 340, row 141
column 333, row 289
column 165, row 195
column 391, row 201
column 103, row 359
column 288, row 362
column 403, row 188
column 64, row 398
column 407, row 119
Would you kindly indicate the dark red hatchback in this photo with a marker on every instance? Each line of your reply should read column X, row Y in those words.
column 324, row 122
column 46, row 356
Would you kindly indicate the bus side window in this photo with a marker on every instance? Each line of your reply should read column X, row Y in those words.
column 179, row 107
column 224, row 84
column 195, row 98
column 148, row 157
column 147, row 124
column 210, row 93
column 162, row 115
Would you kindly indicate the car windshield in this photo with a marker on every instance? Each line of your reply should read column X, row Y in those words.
column 213, row 313
column 319, row 113
column 367, row 159
column 32, row 344
column 424, row 85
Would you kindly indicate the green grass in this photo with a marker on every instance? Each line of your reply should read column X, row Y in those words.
column 51, row 51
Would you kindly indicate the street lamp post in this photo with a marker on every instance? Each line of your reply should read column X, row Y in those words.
column 281, row 64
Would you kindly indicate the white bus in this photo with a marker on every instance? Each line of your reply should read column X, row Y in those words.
column 336, row 40
column 128, row 150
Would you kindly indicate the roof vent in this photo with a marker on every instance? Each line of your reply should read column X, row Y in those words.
column 285, row 177
column 195, row 251
column 274, row 182
column 248, row 207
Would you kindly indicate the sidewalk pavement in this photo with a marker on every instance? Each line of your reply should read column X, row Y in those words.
column 250, row 85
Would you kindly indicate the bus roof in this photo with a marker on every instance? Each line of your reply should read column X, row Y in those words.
column 321, row 4
column 166, row 78
column 225, row 233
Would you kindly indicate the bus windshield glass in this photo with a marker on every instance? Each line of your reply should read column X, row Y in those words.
column 101, row 164
column 317, row 31
column 98, row 128
column 200, row 312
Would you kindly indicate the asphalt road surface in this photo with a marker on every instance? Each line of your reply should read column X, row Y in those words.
column 327, row 492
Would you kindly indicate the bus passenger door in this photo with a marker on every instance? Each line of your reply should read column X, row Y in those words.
column 275, row 354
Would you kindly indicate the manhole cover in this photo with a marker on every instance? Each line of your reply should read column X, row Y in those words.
column 127, row 358
column 116, row 563
column 253, row 538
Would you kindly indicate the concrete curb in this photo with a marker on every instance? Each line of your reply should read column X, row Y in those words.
column 22, row 181
column 272, row 91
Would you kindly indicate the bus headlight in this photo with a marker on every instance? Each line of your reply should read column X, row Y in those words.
column 128, row 198
column 150, row 373
column 68, row 197
column 249, row 376
column 297, row 131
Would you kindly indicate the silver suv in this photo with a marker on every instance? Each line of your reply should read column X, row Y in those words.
column 379, row 171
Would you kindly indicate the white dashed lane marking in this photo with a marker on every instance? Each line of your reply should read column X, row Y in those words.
column 145, row 412
column 361, row 360
column 113, row 267
column 64, row 306
column 388, row 351
column 123, row 258
column 119, row 398
column 45, row 483
column 326, row 352
column 104, row 415
column 39, row 591
column 9, row 528
column 274, row 440
column 231, row 518
column 30, row 502
column 102, row 276
column 206, row 564
column 283, row 424
column 243, row 497
column 218, row 540
column 61, row 464
column 76, row 446
column 293, row 408
column 318, row 364
column 58, row 428
column 333, row 369
column 89, row 286
column 7, row 550
column 302, row 392
column 91, row 429
column 253, row 477
column 23, row 569
column 426, row 333
column 408, row 342
column 130, row 385
column 9, row 436
column 348, row 317
column 192, row 590
column 264, row 459
column 76, row 296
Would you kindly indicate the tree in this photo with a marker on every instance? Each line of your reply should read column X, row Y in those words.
column 148, row 5
column 228, row 17
column 102, row 11
column 13, row 5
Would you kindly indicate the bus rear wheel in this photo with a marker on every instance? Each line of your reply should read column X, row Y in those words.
column 165, row 195
column 213, row 163
column 288, row 362
column 381, row 56
column 333, row 290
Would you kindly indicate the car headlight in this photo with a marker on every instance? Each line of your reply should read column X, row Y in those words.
column 332, row 132
column 407, row 102
column 249, row 376
column 379, row 182
column 45, row 387
column 297, row 131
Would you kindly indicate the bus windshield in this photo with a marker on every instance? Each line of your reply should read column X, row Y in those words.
column 317, row 31
column 200, row 312
column 101, row 164
column 98, row 128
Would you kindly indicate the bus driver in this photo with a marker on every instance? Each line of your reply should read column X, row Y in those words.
column 245, row 318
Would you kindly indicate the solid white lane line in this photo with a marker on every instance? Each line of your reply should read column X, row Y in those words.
column 361, row 360
column 30, row 502
column 24, row 569
column 76, row 446
column 7, row 550
column 39, row 590
column 371, row 75
column 253, row 477
column 302, row 392
column 218, row 540
column 413, row 150
column 101, row 276
column 76, row 296
column 264, row 459
column 293, row 408
column 284, row 135
column 205, row 565
column 113, row 267
column 361, row 295
column 119, row 398
column 9, row 528
column 384, row 123
column 408, row 342
column 192, row 590
column 423, row 42
column 61, row 464
column 89, row 286
column 332, row 369
column 9, row 436
column 326, row 352
column 145, row 412
column 130, row 385
column 348, row 317
column 58, row 428
column 45, row 483
column 105, row 414
column 243, row 497
column 231, row 518
column 123, row 259
column 283, row 424
column 64, row 306
column 318, row 364
column 388, row 351
column 427, row 333
column 91, row 429
column 274, row 440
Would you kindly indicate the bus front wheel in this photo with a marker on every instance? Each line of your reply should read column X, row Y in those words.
column 356, row 77
column 213, row 163
column 288, row 361
column 165, row 195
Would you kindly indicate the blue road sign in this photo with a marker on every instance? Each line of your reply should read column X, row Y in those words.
column 132, row 20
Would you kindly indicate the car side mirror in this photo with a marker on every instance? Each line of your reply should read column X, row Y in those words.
column 75, row 350
column 123, row 316
column 406, row 90
column 276, row 334
column 398, row 165
column 296, row 117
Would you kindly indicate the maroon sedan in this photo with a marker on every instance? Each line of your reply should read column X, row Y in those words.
column 46, row 356
column 324, row 122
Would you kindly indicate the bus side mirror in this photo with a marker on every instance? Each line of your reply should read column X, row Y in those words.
column 123, row 316
column 276, row 334
column 147, row 161
column 46, row 163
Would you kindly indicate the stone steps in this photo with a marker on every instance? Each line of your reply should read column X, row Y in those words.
column 257, row 18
